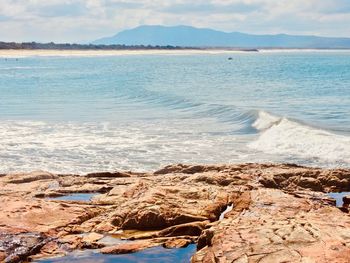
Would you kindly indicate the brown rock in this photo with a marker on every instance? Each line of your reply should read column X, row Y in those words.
column 189, row 229
column 276, row 215
column 146, row 220
column 268, row 182
column 109, row 174
column 129, row 247
column 50, row 248
column 205, row 239
column 346, row 200
column 186, row 169
column 171, row 169
column 311, row 183
column 274, row 227
column 177, row 243
column 29, row 177
column 92, row 237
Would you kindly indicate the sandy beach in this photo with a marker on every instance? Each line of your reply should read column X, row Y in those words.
column 11, row 53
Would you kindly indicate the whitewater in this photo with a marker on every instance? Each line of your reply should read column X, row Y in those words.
column 78, row 114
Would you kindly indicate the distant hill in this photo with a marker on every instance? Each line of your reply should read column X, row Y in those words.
column 201, row 37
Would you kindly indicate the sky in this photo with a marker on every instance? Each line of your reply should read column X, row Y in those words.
column 86, row 20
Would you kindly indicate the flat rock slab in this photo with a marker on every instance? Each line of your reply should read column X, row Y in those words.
column 277, row 227
column 280, row 213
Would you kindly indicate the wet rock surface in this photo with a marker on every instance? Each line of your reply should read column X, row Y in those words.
column 277, row 213
column 15, row 247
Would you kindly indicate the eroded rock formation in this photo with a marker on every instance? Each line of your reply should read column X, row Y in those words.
column 280, row 213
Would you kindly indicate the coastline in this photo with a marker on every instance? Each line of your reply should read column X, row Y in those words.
column 18, row 53
column 12, row 53
column 282, row 209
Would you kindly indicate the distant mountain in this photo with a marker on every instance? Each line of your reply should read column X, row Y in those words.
column 202, row 37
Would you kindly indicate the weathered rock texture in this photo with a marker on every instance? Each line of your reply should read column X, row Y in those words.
column 280, row 213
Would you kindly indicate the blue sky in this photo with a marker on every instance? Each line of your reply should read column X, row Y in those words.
column 85, row 20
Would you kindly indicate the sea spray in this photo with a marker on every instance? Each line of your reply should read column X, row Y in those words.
column 291, row 138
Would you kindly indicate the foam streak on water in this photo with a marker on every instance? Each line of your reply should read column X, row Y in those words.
column 87, row 147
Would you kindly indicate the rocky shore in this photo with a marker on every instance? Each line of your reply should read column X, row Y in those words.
column 273, row 213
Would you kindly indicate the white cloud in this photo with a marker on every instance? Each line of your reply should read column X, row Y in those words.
column 79, row 20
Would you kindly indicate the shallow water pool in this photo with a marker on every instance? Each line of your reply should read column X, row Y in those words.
column 151, row 255
column 339, row 197
column 75, row 197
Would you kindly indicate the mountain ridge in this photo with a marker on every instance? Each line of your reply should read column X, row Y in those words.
column 187, row 36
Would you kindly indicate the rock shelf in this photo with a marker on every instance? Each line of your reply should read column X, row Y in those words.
column 277, row 213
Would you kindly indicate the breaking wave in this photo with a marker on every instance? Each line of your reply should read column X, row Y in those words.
column 283, row 136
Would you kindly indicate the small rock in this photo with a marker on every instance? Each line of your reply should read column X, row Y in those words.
column 108, row 175
column 346, row 200
column 29, row 177
column 92, row 237
column 177, row 243
column 311, row 183
column 129, row 247
column 189, row 229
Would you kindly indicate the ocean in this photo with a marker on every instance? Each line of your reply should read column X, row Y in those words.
column 141, row 112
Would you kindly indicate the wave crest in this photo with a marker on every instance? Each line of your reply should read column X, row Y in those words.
column 287, row 137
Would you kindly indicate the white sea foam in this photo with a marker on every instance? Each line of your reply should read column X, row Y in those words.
column 265, row 121
column 306, row 50
column 87, row 147
column 67, row 147
column 281, row 136
column 24, row 68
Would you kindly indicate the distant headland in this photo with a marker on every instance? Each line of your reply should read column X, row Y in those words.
column 187, row 36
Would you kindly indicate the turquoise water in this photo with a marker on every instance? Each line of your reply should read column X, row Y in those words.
column 84, row 114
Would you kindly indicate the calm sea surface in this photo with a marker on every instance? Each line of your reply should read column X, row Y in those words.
column 83, row 114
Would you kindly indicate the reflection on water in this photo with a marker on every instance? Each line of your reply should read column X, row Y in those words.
column 75, row 197
column 151, row 255
column 339, row 197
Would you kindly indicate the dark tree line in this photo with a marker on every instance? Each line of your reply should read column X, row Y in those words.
column 67, row 46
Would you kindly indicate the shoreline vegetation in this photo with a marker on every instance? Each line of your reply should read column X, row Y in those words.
column 68, row 46
column 96, row 47
column 20, row 50
column 284, row 211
